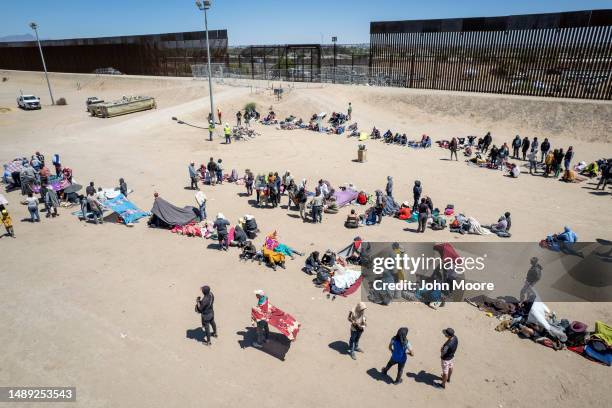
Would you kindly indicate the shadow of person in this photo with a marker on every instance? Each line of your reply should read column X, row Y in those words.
column 340, row 346
column 379, row 376
column 424, row 377
column 277, row 345
column 196, row 334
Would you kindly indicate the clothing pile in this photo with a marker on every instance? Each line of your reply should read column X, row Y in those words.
column 190, row 230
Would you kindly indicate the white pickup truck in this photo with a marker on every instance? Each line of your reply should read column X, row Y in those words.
column 28, row 102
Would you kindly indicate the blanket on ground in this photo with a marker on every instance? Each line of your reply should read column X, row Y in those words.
column 391, row 207
column 128, row 212
column 344, row 197
column 350, row 290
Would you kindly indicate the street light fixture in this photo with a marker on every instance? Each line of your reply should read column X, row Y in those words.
column 34, row 27
column 203, row 6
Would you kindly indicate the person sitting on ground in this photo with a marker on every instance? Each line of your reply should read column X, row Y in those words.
column 249, row 252
column 312, row 263
column 329, row 259
column 404, row 212
column 501, row 226
column 569, row 176
column 352, row 220
column 240, row 237
column 388, row 136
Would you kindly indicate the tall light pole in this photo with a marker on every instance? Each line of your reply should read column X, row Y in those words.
column 34, row 27
column 203, row 6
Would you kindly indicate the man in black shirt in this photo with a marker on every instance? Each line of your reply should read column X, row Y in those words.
column 424, row 214
column 534, row 274
column 448, row 354
column 204, row 306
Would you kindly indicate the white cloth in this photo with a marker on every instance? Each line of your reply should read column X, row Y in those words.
column 345, row 277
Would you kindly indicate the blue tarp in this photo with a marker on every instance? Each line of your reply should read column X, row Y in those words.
column 128, row 211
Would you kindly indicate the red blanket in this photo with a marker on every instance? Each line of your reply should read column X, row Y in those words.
column 275, row 317
column 352, row 289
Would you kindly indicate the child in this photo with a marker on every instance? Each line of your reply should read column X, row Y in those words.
column 123, row 188
column 8, row 223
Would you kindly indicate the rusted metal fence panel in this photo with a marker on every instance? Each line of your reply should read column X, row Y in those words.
column 170, row 54
column 558, row 54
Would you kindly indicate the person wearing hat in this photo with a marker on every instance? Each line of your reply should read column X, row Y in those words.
column 259, row 317
column 400, row 349
column 227, row 130
column 200, row 198
column 211, row 129
column 221, row 226
column 534, row 274
column 8, row 223
column 193, row 175
column 448, row 350
column 358, row 324
column 204, row 306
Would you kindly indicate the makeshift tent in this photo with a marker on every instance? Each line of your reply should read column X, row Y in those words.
column 168, row 215
column 344, row 197
column 125, row 209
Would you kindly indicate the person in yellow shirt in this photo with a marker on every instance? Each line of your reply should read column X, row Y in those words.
column 227, row 130
column 8, row 223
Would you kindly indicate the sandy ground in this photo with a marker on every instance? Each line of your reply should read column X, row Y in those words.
column 109, row 309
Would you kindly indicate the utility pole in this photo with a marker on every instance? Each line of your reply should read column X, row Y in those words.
column 34, row 27
column 203, row 6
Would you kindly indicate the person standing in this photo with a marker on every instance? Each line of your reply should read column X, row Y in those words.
column 516, row 146
column 212, row 170
column 204, row 306
column 389, row 186
column 96, row 208
column 400, row 349
column 545, row 147
column 51, row 201
column 57, row 164
column 486, row 142
column 259, row 317
column 448, row 350
column 90, row 189
column 8, row 223
column 238, row 118
column 533, row 161
column 227, row 130
column 123, row 188
column 535, row 144
column 349, row 112
column 358, row 324
column 569, row 155
column 453, row 148
column 200, row 198
column 379, row 206
column 534, row 274
column 221, row 226
column 211, row 129
column 249, row 179
column 416, row 192
column 559, row 155
column 317, row 206
column 219, row 170
column 525, row 147
column 424, row 213
column 302, row 198
column 219, row 115
column 32, row 203
column 193, row 176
